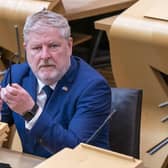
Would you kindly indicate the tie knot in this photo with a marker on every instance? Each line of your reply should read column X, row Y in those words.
column 48, row 91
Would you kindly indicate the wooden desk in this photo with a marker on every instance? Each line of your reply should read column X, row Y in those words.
column 88, row 156
column 139, row 49
column 15, row 11
column 19, row 160
column 78, row 9
column 105, row 24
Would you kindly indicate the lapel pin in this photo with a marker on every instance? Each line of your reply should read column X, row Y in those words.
column 64, row 88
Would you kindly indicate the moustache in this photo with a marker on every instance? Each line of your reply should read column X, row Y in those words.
column 45, row 64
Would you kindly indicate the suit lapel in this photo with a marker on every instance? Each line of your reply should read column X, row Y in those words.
column 30, row 84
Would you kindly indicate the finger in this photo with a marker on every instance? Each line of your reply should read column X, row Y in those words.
column 15, row 85
column 7, row 96
column 12, row 91
column 3, row 95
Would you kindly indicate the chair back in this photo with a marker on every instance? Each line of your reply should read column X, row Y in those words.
column 125, row 125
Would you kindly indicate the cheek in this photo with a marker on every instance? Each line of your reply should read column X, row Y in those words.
column 33, row 62
column 61, row 57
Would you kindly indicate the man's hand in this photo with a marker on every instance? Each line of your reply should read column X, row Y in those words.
column 17, row 98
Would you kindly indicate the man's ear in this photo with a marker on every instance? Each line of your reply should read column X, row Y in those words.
column 70, row 42
column 70, row 45
column 24, row 45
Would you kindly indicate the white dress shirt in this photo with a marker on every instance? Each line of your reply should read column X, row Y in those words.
column 41, row 99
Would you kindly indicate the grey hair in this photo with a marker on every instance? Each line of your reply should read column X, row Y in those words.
column 46, row 18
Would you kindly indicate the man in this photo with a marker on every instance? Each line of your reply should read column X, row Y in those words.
column 77, row 106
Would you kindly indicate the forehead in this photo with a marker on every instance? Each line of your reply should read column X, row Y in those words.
column 45, row 34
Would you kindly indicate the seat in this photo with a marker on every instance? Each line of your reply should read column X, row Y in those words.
column 125, row 125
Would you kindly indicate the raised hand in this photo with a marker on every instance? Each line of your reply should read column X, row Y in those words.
column 17, row 98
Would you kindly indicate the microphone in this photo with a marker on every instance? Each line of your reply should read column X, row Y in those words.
column 10, row 72
column 18, row 54
column 163, row 104
column 94, row 135
column 158, row 146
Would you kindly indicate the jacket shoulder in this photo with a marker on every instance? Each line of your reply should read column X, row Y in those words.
column 18, row 72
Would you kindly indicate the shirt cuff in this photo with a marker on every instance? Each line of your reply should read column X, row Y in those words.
column 29, row 125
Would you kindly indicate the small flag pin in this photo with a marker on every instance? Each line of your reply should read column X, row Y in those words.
column 65, row 88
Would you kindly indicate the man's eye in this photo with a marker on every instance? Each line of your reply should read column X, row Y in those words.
column 36, row 48
column 53, row 46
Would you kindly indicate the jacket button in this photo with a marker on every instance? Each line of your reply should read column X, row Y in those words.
column 40, row 141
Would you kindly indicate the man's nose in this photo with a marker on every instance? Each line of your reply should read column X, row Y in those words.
column 45, row 54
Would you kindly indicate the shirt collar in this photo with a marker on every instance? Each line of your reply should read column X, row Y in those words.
column 41, row 85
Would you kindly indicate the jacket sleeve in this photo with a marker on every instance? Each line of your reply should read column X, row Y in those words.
column 17, row 72
column 6, row 113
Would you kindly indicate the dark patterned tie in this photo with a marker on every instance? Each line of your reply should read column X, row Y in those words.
column 48, row 92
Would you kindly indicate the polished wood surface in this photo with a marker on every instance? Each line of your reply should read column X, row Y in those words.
column 105, row 24
column 77, row 9
column 138, row 40
column 88, row 156
column 4, row 129
column 19, row 160
column 14, row 12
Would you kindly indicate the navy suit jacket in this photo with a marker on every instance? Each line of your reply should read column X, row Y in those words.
column 71, row 115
